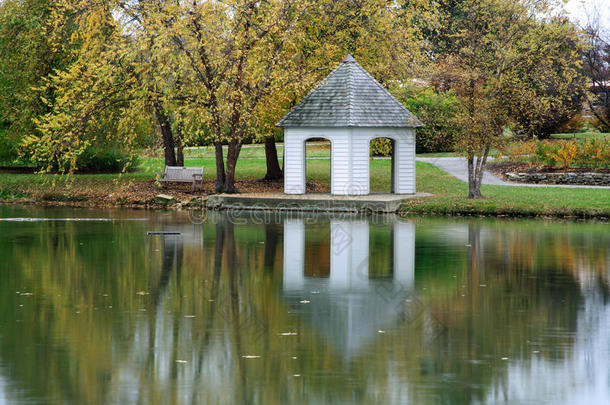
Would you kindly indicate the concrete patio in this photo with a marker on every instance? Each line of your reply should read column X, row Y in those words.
column 315, row 202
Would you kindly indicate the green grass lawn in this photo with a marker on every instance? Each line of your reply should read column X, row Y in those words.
column 449, row 193
column 449, row 198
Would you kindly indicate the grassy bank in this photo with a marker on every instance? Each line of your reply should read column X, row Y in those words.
column 449, row 198
column 139, row 189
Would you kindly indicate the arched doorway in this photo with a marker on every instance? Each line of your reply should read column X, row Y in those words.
column 318, row 165
column 382, row 168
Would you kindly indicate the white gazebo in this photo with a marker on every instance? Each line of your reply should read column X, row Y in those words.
column 350, row 109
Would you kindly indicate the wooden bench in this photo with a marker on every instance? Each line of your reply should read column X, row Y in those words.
column 179, row 174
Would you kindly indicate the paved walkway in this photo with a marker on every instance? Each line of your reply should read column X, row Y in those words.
column 458, row 167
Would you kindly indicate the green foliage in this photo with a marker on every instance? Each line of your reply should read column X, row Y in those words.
column 105, row 161
column 8, row 151
column 8, row 194
column 28, row 53
column 438, row 111
column 381, row 147
column 591, row 152
column 95, row 101
column 547, row 89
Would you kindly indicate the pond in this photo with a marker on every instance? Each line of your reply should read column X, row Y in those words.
column 239, row 308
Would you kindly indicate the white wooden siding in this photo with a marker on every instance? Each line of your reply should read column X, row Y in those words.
column 350, row 162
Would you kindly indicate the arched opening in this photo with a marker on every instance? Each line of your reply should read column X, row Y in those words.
column 318, row 165
column 382, row 165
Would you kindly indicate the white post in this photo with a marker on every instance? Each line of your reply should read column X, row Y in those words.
column 294, row 254
column 404, row 253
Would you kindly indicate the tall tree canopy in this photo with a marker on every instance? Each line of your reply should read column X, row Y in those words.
column 28, row 53
column 228, row 71
column 510, row 67
column 227, row 67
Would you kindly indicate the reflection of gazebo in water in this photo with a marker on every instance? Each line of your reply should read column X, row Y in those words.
column 350, row 109
column 350, row 305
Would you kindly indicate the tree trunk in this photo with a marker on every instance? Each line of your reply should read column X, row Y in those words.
column 179, row 146
column 272, row 239
column 166, row 135
column 476, row 169
column 232, row 155
column 474, row 189
column 220, row 167
column 274, row 172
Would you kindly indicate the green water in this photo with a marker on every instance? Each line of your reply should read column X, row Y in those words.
column 289, row 310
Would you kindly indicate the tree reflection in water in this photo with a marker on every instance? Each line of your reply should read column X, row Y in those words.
column 229, row 312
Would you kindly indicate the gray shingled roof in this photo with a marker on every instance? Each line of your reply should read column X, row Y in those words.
column 349, row 97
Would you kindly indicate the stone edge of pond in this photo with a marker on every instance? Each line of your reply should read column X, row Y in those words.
column 404, row 211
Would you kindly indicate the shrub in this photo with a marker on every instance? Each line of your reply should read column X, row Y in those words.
column 108, row 161
column 381, row 147
column 438, row 111
column 589, row 152
column 8, row 152
column 565, row 153
column 525, row 151
column 594, row 152
column 545, row 152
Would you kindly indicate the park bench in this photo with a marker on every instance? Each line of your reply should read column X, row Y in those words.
column 180, row 174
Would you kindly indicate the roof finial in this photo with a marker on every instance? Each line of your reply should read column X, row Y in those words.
column 348, row 59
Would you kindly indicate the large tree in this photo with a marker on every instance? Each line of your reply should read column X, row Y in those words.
column 28, row 53
column 115, row 92
column 232, row 68
column 500, row 57
column 549, row 87
column 226, row 57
